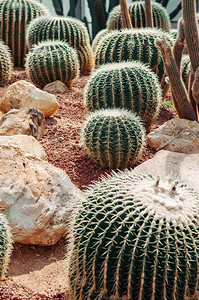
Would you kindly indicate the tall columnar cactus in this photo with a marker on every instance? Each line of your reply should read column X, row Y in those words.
column 50, row 61
column 137, row 14
column 67, row 29
column 5, row 245
column 132, row 44
column 185, row 69
column 5, row 64
column 98, row 38
column 135, row 237
column 129, row 85
column 113, row 138
column 14, row 17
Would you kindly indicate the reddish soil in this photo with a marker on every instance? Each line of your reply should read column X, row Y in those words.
column 37, row 272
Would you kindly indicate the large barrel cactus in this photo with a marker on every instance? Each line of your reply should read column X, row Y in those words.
column 14, row 17
column 113, row 138
column 67, row 29
column 5, row 64
column 50, row 61
column 98, row 38
column 135, row 237
column 137, row 14
column 134, row 44
column 5, row 245
column 130, row 85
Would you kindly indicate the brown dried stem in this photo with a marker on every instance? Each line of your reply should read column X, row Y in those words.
column 148, row 13
column 126, row 20
column 181, row 99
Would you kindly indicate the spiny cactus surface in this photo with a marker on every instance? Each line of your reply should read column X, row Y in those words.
column 98, row 38
column 50, row 61
column 129, row 85
column 67, row 29
column 137, row 14
column 5, row 64
column 113, row 138
column 185, row 69
column 14, row 18
column 134, row 44
column 135, row 237
column 5, row 245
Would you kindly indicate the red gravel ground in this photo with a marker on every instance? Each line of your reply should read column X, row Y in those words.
column 61, row 142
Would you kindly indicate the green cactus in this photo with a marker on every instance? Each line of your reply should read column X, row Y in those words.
column 5, row 245
column 129, row 85
column 132, row 44
column 98, row 38
column 135, row 237
column 6, row 65
column 14, row 17
column 67, row 29
column 52, row 60
column 113, row 138
column 137, row 14
column 174, row 33
column 185, row 69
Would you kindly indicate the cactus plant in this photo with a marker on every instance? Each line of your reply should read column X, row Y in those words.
column 98, row 38
column 113, row 138
column 137, row 14
column 52, row 60
column 5, row 64
column 129, row 85
column 14, row 17
column 5, row 245
column 67, row 29
column 135, row 236
column 185, row 69
column 132, row 44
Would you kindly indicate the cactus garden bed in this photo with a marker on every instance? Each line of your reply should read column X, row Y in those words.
column 37, row 272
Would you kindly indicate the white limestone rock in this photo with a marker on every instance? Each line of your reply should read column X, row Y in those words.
column 56, row 86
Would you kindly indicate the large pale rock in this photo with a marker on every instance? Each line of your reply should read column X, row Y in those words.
column 177, row 135
column 25, row 143
column 24, row 94
column 28, row 121
column 167, row 163
column 56, row 86
column 37, row 197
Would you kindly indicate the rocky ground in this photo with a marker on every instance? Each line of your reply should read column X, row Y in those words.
column 37, row 272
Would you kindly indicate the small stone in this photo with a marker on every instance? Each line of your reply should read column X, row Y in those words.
column 24, row 94
column 56, row 86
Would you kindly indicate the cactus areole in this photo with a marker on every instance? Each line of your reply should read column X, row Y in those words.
column 136, row 237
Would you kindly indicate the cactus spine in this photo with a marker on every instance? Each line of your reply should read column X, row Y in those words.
column 50, row 61
column 137, row 14
column 5, row 64
column 113, row 138
column 134, row 44
column 185, row 69
column 69, row 29
column 129, row 85
column 135, row 237
column 98, row 38
column 5, row 245
column 14, row 17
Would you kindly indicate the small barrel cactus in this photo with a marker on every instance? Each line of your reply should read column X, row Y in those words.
column 14, row 17
column 67, row 29
column 50, row 61
column 5, row 64
column 98, row 38
column 135, row 237
column 129, row 85
column 137, row 14
column 113, row 138
column 185, row 69
column 5, row 245
column 134, row 44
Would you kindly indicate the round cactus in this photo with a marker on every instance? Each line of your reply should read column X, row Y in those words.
column 98, row 38
column 137, row 14
column 50, row 61
column 130, row 85
column 134, row 44
column 5, row 64
column 5, row 245
column 67, row 29
column 113, row 138
column 135, row 237
column 185, row 69
column 14, row 17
